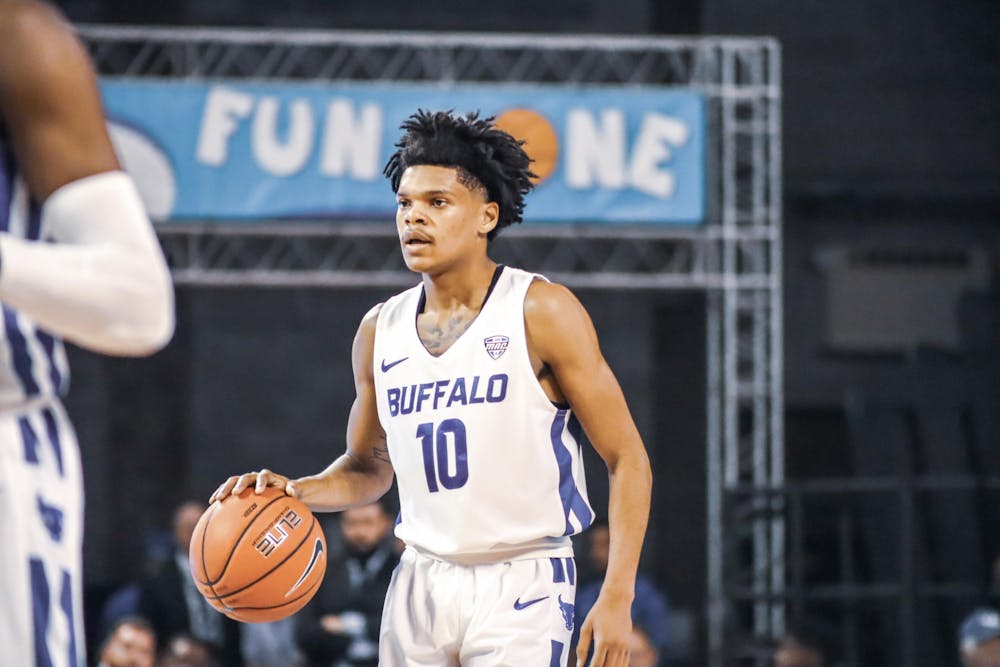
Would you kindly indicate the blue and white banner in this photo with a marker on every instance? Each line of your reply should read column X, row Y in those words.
column 316, row 150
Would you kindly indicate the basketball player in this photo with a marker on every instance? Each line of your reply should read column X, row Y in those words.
column 470, row 387
column 78, row 260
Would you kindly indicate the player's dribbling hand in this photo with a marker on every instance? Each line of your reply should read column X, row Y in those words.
column 261, row 480
column 609, row 625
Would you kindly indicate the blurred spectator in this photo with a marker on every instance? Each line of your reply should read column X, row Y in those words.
column 339, row 627
column 642, row 652
column 979, row 639
column 271, row 644
column 124, row 600
column 173, row 604
column 130, row 643
column 120, row 603
column 807, row 643
column 649, row 608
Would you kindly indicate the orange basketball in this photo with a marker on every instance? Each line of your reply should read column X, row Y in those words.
column 258, row 557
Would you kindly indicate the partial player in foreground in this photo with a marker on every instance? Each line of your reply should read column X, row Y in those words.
column 78, row 260
column 472, row 387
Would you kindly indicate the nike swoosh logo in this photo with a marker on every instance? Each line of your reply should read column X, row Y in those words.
column 317, row 551
column 522, row 605
column 386, row 367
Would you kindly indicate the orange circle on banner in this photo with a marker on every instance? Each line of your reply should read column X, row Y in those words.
column 540, row 140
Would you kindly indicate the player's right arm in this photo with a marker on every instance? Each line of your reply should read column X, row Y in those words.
column 364, row 472
column 101, row 282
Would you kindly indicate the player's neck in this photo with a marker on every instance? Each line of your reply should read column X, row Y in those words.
column 461, row 287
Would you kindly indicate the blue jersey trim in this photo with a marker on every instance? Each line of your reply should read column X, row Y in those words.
column 19, row 352
column 66, row 602
column 56, row 375
column 563, row 570
column 576, row 430
column 570, row 495
column 29, row 439
column 40, row 609
column 52, row 428
column 558, row 573
column 52, row 518
column 556, row 659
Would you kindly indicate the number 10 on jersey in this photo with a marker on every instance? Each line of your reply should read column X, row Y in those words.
column 441, row 446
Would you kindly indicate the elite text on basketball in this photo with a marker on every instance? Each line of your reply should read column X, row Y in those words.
column 277, row 533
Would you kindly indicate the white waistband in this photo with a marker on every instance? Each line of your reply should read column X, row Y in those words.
column 502, row 553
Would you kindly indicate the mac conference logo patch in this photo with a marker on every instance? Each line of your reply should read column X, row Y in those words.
column 496, row 345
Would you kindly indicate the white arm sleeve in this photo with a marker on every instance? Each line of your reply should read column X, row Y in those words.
column 103, row 282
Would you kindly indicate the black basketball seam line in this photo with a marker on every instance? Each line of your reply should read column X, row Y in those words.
column 305, row 593
column 266, row 574
column 211, row 582
column 204, row 565
column 277, row 606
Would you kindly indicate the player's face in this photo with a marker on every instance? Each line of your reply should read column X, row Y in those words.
column 440, row 221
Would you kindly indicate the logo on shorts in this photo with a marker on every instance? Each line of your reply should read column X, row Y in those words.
column 518, row 605
column 567, row 609
column 496, row 345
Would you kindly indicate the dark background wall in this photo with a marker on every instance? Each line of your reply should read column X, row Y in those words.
column 892, row 187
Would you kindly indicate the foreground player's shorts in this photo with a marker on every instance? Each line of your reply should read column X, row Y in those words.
column 41, row 502
column 440, row 614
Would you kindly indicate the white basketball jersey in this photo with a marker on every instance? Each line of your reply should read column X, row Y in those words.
column 488, row 468
column 32, row 361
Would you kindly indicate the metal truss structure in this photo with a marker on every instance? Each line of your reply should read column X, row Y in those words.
column 735, row 256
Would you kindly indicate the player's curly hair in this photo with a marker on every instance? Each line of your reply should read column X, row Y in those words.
column 485, row 156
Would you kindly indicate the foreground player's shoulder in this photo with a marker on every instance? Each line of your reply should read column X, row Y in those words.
column 364, row 342
column 371, row 317
column 548, row 303
column 366, row 330
column 49, row 99
column 26, row 17
column 33, row 37
column 554, row 318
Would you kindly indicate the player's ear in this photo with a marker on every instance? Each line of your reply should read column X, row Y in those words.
column 490, row 217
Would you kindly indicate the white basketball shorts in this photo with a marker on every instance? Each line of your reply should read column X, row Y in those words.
column 512, row 614
column 41, row 502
